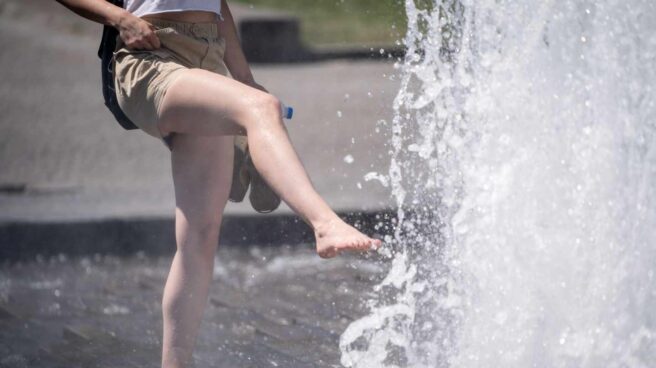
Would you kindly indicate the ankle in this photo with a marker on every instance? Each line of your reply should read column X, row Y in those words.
column 177, row 358
column 324, row 226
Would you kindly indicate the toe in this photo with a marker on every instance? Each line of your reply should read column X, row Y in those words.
column 328, row 253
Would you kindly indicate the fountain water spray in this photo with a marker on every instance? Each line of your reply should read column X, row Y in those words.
column 524, row 170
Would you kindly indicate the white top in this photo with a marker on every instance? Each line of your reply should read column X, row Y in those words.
column 146, row 7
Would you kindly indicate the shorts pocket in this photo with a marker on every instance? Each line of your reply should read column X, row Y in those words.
column 161, row 53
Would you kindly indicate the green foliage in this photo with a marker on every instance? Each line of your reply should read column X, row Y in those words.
column 368, row 22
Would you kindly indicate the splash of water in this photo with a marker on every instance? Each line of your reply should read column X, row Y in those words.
column 524, row 170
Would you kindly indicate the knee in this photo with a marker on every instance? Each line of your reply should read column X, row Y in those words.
column 268, row 104
column 200, row 238
column 265, row 109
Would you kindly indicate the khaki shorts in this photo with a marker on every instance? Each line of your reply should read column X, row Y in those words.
column 141, row 77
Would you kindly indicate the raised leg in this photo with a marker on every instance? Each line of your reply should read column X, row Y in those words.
column 202, row 174
column 204, row 103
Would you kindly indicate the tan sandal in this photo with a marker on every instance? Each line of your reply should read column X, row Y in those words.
column 263, row 198
column 240, row 176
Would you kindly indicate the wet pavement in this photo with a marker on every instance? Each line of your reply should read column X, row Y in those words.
column 268, row 307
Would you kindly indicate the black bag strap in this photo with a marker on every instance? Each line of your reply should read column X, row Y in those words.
column 106, row 55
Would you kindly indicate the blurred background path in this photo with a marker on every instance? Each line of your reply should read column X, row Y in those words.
column 64, row 159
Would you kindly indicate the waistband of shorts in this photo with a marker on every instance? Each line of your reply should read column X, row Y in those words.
column 206, row 30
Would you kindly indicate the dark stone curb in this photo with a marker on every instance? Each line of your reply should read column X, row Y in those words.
column 154, row 236
column 276, row 39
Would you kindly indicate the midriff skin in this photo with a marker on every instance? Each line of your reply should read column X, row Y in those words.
column 189, row 16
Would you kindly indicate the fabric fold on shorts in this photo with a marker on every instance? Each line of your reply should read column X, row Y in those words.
column 142, row 77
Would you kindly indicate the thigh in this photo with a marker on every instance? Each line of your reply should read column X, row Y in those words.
column 202, row 175
column 200, row 102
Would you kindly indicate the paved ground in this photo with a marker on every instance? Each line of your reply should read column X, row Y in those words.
column 63, row 158
column 269, row 307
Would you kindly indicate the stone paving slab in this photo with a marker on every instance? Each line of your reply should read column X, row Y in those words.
column 268, row 307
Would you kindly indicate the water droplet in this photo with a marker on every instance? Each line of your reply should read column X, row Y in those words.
column 349, row 159
column 115, row 309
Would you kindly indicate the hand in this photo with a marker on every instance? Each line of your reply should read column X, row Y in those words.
column 255, row 85
column 137, row 34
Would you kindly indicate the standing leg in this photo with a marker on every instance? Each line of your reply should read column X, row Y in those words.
column 203, row 103
column 202, row 173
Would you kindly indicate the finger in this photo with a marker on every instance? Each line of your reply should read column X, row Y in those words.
column 151, row 35
column 132, row 45
column 154, row 40
column 147, row 44
column 144, row 45
column 136, row 45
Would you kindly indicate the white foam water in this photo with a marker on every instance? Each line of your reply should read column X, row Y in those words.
column 524, row 169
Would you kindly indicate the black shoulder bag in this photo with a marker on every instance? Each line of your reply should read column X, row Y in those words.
column 106, row 54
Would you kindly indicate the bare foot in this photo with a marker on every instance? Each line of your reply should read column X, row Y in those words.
column 337, row 236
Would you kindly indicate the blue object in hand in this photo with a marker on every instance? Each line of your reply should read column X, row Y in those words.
column 287, row 111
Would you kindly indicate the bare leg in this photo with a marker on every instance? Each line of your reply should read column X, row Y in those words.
column 202, row 168
column 204, row 103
